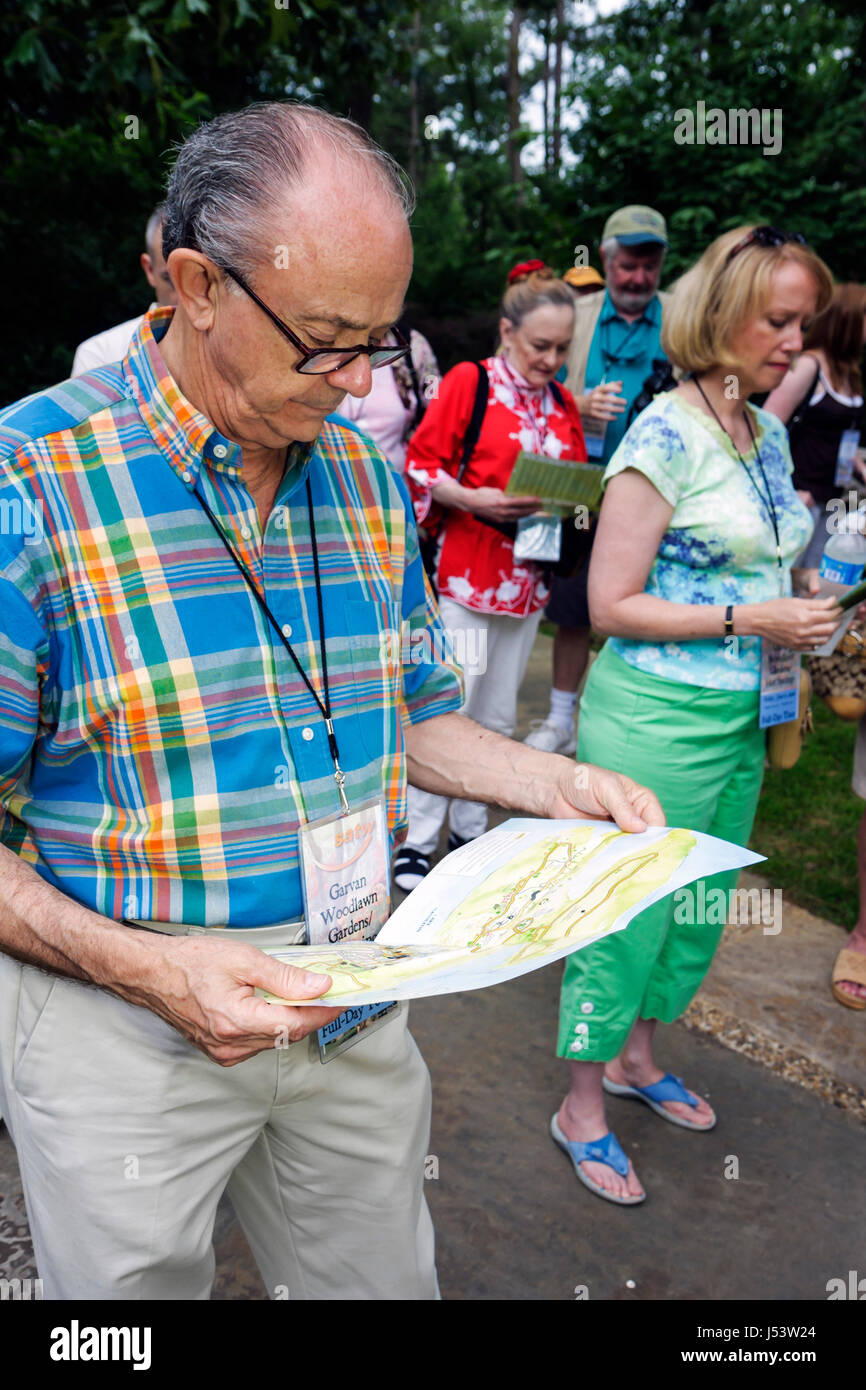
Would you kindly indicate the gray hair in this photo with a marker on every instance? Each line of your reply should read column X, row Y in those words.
column 613, row 244
column 153, row 224
column 229, row 172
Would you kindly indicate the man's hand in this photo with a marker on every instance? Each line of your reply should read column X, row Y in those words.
column 597, row 794
column 451, row 755
column 603, row 403
column 205, row 989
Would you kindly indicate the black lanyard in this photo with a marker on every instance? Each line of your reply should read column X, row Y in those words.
column 611, row 357
column 767, row 502
column 324, row 705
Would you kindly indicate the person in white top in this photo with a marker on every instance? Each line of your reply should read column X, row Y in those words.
column 390, row 412
column 112, row 344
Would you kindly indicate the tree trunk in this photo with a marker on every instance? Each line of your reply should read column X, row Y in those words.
column 515, row 169
column 413, row 97
column 557, row 85
column 545, row 34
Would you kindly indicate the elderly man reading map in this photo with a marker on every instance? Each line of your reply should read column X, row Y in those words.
column 193, row 671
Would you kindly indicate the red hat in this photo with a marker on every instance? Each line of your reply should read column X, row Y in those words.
column 525, row 268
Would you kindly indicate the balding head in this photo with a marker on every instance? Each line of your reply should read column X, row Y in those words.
column 313, row 217
column 237, row 177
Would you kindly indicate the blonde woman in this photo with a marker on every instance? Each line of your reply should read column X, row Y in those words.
column 691, row 572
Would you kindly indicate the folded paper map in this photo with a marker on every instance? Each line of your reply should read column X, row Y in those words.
column 558, row 482
column 525, row 894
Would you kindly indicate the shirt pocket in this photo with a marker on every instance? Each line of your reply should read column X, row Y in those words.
column 373, row 639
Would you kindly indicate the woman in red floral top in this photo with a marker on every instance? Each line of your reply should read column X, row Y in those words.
column 490, row 602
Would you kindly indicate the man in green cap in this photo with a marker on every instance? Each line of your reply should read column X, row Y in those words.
column 616, row 338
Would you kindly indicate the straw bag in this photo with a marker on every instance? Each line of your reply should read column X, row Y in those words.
column 785, row 741
column 840, row 679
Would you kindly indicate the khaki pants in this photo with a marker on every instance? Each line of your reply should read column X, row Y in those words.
column 127, row 1136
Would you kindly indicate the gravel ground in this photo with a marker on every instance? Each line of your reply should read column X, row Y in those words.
column 787, row 1062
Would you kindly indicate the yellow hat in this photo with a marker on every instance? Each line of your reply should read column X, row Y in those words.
column 580, row 275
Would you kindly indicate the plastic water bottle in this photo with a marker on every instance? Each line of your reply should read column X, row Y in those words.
column 844, row 557
column 841, row 566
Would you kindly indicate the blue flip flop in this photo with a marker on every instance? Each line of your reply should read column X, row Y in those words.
column 605, row 1150
column 669, row 1088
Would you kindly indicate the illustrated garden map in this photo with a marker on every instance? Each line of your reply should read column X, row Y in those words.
column 524, row 894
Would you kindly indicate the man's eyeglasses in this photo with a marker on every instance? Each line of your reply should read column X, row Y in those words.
column 320, row 361
column 765, row 236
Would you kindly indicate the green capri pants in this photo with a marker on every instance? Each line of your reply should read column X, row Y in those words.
column 702, row 753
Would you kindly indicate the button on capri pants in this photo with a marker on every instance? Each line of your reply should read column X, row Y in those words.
column 702, row 753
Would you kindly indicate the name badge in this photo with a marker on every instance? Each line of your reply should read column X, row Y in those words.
column 345, row 873
column 846, row 457
column 780, row 685
column 594, row 441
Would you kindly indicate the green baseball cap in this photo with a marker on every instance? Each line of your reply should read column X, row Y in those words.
column 636, row 224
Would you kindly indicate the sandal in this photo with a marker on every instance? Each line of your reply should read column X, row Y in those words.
column 849, row 965
column 605, row 1150
column 669, row 1088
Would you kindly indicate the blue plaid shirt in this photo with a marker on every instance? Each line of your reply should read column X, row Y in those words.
column 158, row 748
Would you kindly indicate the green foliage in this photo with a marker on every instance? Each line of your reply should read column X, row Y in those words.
column 79, row 188
column 641, row 66
column 807, row 823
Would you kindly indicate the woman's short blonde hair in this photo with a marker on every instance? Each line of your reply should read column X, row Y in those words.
column 714, row 299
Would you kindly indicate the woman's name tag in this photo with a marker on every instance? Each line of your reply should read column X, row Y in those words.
column 780, row 685
column 846, row 457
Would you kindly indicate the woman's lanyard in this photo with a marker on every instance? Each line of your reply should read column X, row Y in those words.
column 538, row 435
column 323, row 705
column 767, row 502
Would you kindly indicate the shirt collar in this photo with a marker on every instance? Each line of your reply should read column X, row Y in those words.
column 513, row 376
column 181, row 433
column 651, row 314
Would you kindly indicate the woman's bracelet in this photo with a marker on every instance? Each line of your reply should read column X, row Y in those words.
column 729, row 620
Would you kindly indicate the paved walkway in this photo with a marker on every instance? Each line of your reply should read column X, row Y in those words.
column 781, row 1062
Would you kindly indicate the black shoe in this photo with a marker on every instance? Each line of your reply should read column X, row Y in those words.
column 456, row 842
column 410, row 867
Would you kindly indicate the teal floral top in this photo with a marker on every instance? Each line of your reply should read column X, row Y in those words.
column 719, row 547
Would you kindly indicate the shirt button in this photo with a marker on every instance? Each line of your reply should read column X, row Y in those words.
column 246, row 532
column 186, row 475
column 287, row 629
column 307, row 734
column 577, row 1045
column 582, row 1028
column 587, row 1008
column 219, row 451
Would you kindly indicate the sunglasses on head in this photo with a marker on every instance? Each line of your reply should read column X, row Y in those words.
column 765, row 236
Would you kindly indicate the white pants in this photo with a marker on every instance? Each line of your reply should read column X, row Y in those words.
column 127, row 1136
column 491, row 699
